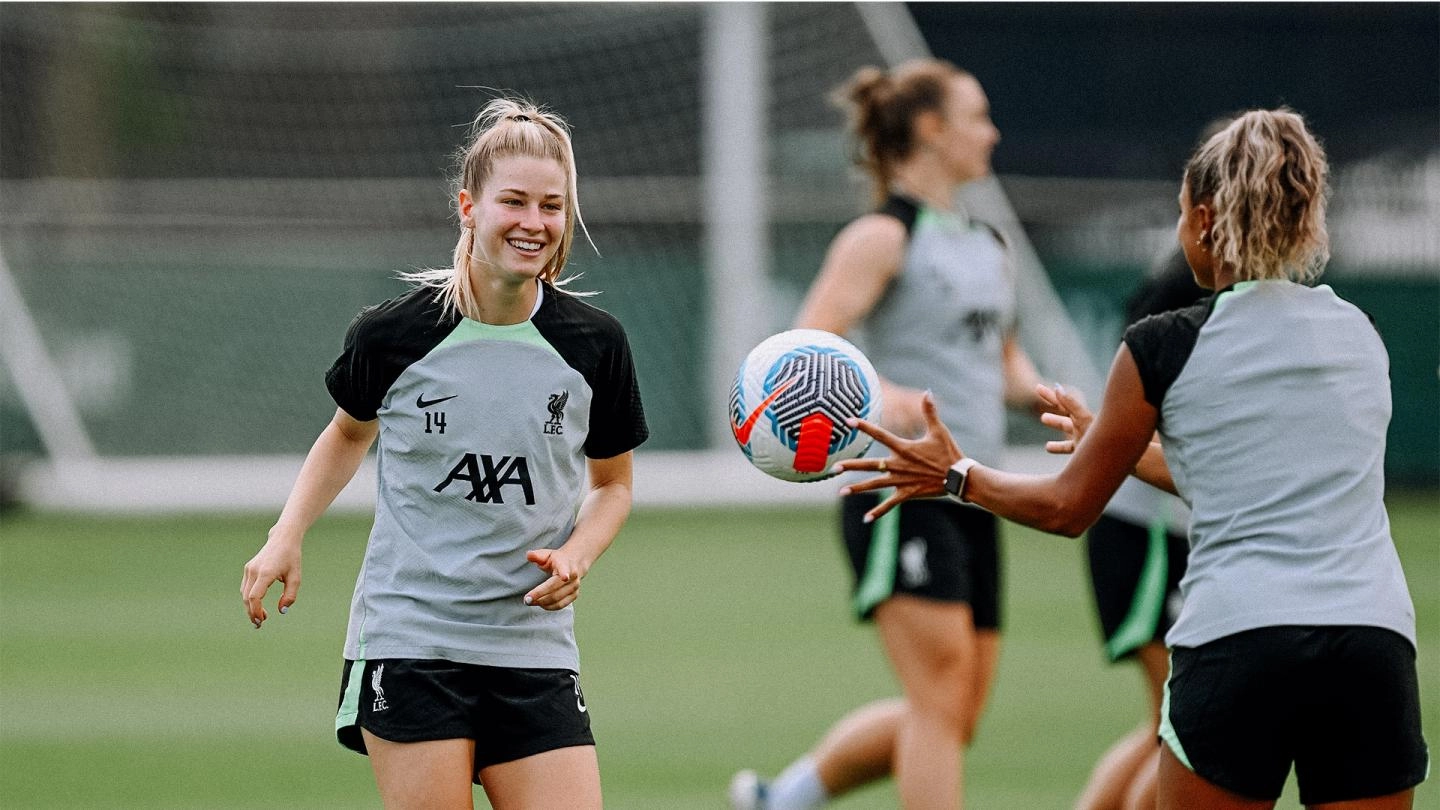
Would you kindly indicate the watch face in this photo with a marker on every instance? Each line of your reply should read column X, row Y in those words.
column 953, row 480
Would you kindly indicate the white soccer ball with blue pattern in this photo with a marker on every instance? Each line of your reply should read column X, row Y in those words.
column 791, row 398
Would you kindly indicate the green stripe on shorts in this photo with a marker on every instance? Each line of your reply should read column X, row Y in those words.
column 1167, row 731
column 1149, row 598
column 879, row 581
column 349, row 711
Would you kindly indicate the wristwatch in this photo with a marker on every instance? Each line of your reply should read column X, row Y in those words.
column 956, row 477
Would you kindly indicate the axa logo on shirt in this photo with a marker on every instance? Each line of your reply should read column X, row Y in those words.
column 488, row 477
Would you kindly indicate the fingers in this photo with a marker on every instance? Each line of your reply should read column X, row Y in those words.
column 876, row 465
column 931, row 412
column 876, row 432
column 254, row 597
column 1060, row 399
column 554, row 593
column 935, row 430
column 552, row 563
column 1049, row 400
column 292, row 591
column 869, row 484
column 1060, row 447
column 563, row 585
column 1064, row 424
column 1071, row 400
column 884, row 506
column 256, row 582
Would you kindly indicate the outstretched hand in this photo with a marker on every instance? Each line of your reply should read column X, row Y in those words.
column 1066, row 412
column 916, row 468
column 563, row 586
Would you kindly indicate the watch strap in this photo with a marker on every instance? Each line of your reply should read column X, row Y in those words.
column 958, row 476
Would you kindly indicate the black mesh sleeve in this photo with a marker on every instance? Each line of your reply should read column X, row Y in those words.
column 617, row 418
column 1162, row 344
column 352, row 379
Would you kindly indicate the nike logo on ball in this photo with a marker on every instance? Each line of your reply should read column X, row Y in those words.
column 742, row 431
column 422, row 403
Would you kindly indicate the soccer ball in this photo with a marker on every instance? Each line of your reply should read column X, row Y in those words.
column 791, row 398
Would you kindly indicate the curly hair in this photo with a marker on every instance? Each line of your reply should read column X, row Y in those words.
column 1266, row 180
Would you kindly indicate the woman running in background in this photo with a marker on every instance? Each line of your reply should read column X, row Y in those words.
column 935, row 297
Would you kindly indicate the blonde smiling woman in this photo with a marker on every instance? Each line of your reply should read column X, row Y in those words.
column 506, row 411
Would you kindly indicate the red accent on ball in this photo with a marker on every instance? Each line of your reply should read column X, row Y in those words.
column 813, row 449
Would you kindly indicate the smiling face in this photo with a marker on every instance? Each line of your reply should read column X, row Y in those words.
column 518, row 216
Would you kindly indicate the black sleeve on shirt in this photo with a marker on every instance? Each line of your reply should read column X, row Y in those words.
column 353, row 378
column 1162, row 344
column 617, row 418
column 902, row 209
column 381, row 342
column 593, row 342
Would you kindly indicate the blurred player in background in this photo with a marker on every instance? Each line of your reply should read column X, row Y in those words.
column 1295, row 644
column 494, row 394
column 935, row 298
column 1136, row 555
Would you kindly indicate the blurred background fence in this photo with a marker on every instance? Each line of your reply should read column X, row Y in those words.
column 196, row 198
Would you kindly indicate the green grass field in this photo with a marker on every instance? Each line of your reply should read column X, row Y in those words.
column 712, row 640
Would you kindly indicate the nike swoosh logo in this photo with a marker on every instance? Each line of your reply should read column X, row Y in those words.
column 742, row 431
column 422, row 403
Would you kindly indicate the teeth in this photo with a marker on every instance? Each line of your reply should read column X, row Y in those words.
column 525, row 245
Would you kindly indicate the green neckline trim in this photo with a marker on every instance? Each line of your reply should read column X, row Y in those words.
column 468, row 330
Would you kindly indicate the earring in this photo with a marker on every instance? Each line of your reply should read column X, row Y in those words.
column 1201, row 240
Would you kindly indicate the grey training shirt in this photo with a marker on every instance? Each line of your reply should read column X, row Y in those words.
column 484, row 432
column 942, row 321
column 1274, row 400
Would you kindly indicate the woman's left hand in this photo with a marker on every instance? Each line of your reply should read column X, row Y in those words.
column 916, row 468
column 563, row 586
column 1065, row 412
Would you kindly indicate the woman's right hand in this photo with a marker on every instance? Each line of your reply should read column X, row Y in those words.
column 277, row 561
column 916, row 468
column 1066, row 412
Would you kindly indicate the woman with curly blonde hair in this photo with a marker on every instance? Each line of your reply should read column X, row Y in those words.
column 1295, row 645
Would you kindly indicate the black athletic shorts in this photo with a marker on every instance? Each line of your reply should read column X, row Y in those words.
column 935, row 549
column 1340, row 703
column 509, row 713
column 1135, row 575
